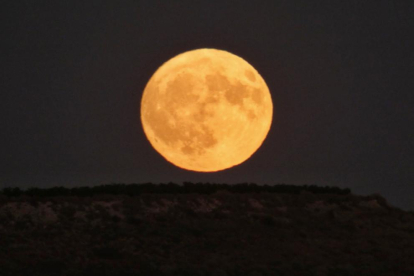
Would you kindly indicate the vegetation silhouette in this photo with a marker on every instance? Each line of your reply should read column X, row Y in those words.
column 202, row 229
column 172, row 188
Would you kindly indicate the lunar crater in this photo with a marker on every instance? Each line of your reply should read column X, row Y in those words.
column 250, row 75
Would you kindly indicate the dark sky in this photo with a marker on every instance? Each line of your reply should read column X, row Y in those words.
column 340, row 73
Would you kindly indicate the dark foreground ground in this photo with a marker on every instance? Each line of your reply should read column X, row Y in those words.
column 218, row 235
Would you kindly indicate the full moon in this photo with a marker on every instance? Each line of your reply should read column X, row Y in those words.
column 206, row 110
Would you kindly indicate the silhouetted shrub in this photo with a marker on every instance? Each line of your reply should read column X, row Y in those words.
column 172, row 188
column 12, row 192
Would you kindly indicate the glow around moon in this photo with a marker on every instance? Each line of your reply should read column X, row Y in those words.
column 206, row 110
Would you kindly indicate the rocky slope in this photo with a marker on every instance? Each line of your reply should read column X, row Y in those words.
column 192, row 234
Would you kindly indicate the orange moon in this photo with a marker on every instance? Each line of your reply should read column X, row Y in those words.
column 206, row 110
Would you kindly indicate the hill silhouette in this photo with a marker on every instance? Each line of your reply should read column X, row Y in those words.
column 202, row 229
column 172, row 188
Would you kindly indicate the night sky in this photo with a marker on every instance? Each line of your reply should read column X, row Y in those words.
column 340, row 74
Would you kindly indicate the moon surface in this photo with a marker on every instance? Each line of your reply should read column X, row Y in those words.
column 206, row 110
